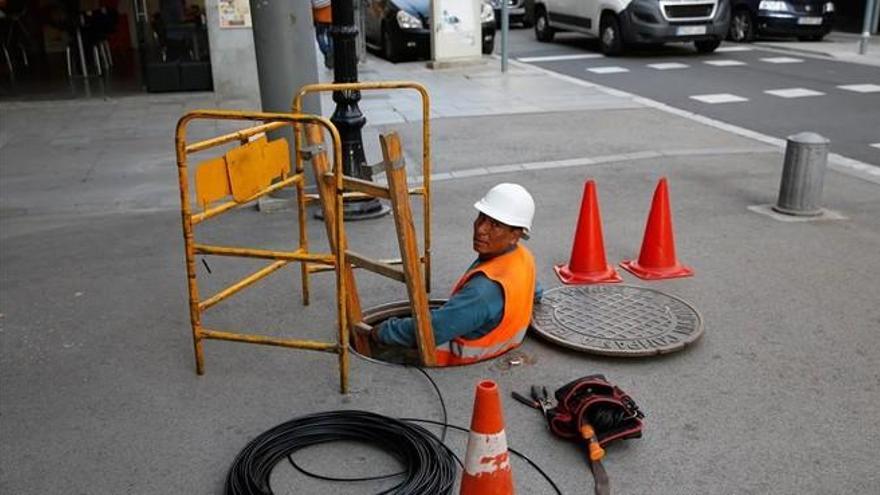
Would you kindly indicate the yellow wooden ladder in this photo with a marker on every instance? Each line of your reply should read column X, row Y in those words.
column 331, row 184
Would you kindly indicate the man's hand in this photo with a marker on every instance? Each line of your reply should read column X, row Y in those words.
column 374, row 334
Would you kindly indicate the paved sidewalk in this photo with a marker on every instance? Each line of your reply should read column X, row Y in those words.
column 839, row 45
column 98, row 393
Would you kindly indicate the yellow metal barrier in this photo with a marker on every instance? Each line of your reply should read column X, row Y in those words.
column 246, row 173
column 425, row 189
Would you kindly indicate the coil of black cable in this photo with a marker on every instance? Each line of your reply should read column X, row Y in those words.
column 429, row 466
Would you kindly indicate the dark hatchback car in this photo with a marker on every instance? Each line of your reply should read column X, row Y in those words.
column 401, row 29
column 808, row 20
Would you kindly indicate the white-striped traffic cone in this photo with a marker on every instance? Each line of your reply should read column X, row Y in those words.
column 487, row 462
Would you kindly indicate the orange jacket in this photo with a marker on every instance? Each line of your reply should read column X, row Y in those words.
column 322, row 14
column 515, row 272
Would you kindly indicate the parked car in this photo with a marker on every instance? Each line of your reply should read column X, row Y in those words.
column 516, row 11
column 402, row 28
column 618, row 23
column 808, row 20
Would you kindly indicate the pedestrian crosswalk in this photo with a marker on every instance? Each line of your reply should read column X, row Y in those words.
column 793, row 92
column 725, row 63
column 764, row 89
column 607, row 70
column 782, row 60
column 669, row 66
column 862, row 88
column 712, row 98
column 719, row 98
column 734, row 48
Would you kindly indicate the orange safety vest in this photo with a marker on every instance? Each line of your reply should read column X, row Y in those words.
column 323, row 15
column 515, row 272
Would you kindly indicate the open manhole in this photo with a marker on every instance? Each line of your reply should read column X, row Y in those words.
column 616, row 320
column 399, row 355
column 392, row 354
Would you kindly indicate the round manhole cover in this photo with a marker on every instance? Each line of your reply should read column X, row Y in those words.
column 616, row 320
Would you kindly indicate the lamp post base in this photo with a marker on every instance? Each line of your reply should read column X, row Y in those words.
column 359, row 209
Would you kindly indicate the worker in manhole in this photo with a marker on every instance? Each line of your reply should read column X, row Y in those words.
column 490, row 307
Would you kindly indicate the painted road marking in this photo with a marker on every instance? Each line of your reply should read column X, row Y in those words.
column 668, row 66
column 608, row 70
column 728, row 49
column 556, row 58
column 782, row 60
column 793, row 92
column 724, row 63
column 861, row 88
column 719, row 98
column 837, row 162
column 875, row 145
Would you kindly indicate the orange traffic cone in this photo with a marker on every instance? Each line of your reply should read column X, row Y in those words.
column 487, row 462
column 588, row 264
column 657, row 259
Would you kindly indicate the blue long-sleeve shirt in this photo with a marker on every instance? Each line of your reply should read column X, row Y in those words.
column 471, row 312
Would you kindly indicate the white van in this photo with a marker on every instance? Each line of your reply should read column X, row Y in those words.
column 618, row 23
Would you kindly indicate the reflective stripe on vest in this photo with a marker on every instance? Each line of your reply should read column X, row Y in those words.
column 515, row 272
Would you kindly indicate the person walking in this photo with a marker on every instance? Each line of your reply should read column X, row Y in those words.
column 323, row 19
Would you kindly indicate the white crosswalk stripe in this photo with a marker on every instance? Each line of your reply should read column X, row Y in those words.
column 782, row 60
column 724, row 63
column 861, row 88
column 608, row 70
column 668, row 66
column 719, row 98
column 875, row 145
column 729, row 49
column 793, row 92
column 556, row 58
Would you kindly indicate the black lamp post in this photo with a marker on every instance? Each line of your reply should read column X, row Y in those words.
column 347, row 117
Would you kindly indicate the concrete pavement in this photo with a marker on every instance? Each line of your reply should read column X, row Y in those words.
column 837, row 45
column 97, row 388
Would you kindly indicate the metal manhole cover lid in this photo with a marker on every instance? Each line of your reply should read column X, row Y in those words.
column 616, row 320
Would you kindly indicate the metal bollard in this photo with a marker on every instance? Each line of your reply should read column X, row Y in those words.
column 803, row 175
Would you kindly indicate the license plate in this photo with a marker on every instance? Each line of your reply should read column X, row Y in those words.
column 810, row 21
column 690, row 30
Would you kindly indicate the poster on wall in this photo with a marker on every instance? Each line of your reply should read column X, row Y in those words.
column 457, row 17
column 234, row 14
column 457, row 34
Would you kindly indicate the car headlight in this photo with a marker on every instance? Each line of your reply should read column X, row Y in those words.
column 829, row 7
column 487, row 14
column 408, row 21
column 769, row 5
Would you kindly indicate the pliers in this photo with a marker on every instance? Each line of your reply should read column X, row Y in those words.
column 540, row 399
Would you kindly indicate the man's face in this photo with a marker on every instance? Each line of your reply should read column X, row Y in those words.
column 492, row 237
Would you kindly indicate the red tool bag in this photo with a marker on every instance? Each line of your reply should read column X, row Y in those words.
column 591, row 399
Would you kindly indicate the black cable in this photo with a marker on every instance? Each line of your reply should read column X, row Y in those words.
column 429, row 465
column 433, row 472
column 381, row 476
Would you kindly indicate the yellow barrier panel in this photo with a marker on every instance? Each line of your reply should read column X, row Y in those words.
column 246, row 173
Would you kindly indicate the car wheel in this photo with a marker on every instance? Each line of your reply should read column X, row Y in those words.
column 610, row 40
column 742, row 27
column 390, row 49
column 815, row 37
column 707, row 46
column 543, row 31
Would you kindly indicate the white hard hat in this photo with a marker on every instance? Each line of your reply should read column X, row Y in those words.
column 510, row 204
